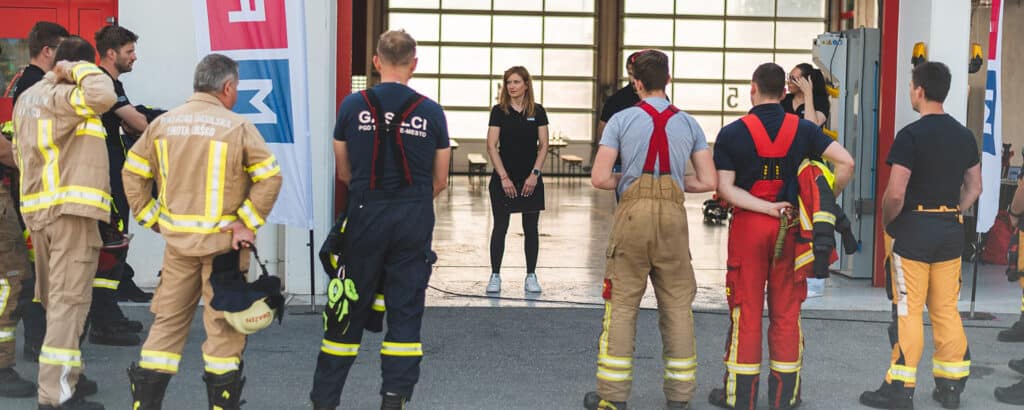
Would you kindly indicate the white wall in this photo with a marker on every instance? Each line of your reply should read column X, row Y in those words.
column 163, row 77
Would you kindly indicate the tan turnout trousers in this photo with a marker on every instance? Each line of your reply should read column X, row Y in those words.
column 67, row 252
column 182, row 281
column 649, row 239
column 14, row 268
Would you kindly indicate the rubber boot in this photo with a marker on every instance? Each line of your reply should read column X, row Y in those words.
column 889, row 397
column 781, row 394
column 76, row 403
column 391, row 401
column 746, row 393
column 12, row 385
column 224, row 391
column 1014, row 333
column 593, row 401
column 1013, row 394
column 947, row 392
column 112, row 334
column 148, row 387
column 85, row 387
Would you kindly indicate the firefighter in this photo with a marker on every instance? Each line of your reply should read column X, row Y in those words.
column 65, row 191
column 935, row 173
column 392, row 151
column 217, row 182
column 1014, row 394
column 649, row 236
column 757, row 158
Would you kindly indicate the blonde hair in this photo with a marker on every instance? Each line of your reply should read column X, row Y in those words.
column 505, row 100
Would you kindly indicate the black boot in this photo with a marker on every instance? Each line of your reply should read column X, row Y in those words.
column 677, row 405
column 889, row 397
column 391, row 401
column 148, row 387
column 85, row 387
column 746, row 393
column 128, row 325
column 1017, row 365
column 12, row 385
column 127, row 290
column 224, row 391
column 592, row 401
column 1013, row 394
column 781, row 393
column 947, row 392
column 76, row 403
column 111, row 334
column 1014, row 333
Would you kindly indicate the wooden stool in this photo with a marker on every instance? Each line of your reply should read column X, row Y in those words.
column 574, row 163
column 477, row 167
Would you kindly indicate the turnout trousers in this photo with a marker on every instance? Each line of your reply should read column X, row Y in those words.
column 386, row 252
column 649, row 239
column 14, row 268
column 183, row 280
column 67, row 251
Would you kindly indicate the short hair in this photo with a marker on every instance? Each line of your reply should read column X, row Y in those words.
column 934, row 77
column 113, row 38
column 396, row 47
column 770, row 79
column 45, row 34
column 212, row 72
column 650, row 67
column 75, row 48
column 632, row 58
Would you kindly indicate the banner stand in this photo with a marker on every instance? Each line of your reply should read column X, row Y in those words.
column 312, row 281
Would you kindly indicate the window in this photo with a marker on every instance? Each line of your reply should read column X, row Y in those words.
column 715, row 45
column 465, row 46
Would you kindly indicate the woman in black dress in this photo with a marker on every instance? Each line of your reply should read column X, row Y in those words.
column 807, row 96
column 517, row 141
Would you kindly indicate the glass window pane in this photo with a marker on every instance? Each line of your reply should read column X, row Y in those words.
column 697, row 97
column 572, row 126
column 737, row 97
column 467, row 4
column 799, row 36
column 802, row 8
column 568, row 94
column 647, row 32
column 465, row 60
column 789, row 61
column 467, row 124
column 465, row 93
column 749, row 34
column 422, row 27
column 750, row 7
column 650, row 6
column 465, row 28
column 569, row 30
column 741, row 66
column 700, row 7
column 710, row 124
column 504, row 58
column 427, row 59
column 699, row 33
column 518, row 29
column 701, row 64
column 425, row 86
column 524, row 5
column 585, row 6
column 413, row 4
column 569, row 62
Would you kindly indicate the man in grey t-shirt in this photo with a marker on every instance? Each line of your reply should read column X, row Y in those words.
column 649, row 237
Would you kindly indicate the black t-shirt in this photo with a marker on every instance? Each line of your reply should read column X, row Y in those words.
column 938, row 150
column 518, row 139
column 31, row 75
column 824, row 106
column 117, row 149
column 735, row 150
column 624, row 98
column 424, row 132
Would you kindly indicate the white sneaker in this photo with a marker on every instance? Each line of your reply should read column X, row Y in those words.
column 531, row 285
column 494, row 286
column 815, row 288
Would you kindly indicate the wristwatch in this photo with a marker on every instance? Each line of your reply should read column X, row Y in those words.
column 536, row 172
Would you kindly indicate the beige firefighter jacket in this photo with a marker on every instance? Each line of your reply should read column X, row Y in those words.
column 211, row 167
column 60, row 146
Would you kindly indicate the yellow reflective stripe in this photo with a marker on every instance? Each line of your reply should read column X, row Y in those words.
column 951, row 370
column 612, row 375
column 602, row 343
column 149, row 215
column 804, row 259
column 743, row 368
column 93, row 127
column 827, row 217
column 80, row 71
column 681, row 364
column 730, row 377
column 805, row 223
column 615, row 361
column 138, row 165
column 264, row 169
column 221, row 365
column 51, row 155
column 681, row 375
column 77, row 100
column 5, row 292
column 401, row 349
column 902, row 309
column 215, row 169
column 378, row 303
column 70, row 194
column 249, row 216
column 903, row 373
column 784, row 367
column 105, row 283
column 60, row 357
column 192, row 223
column 339, row 349
column 7, row 334
column 154, row 360
column 161, row 160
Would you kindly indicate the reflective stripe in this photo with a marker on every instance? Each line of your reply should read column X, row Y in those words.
column 804, row 259
column 221, row 365
column 80, row 71
column 401, row 349
column 951, row 370
column 77, row 100
column 215, row 169
column 51, row 155
column 615, row 361
column 614, row 375
column 105, row 283
column 805, row 223
column 827, row 217
column 149, row 214
column 339, row 349
column 138, row 165
column 784, row 367
column 161, row 162
column 730, row 377
column 5, row 292
column 263, row 170
column 7, row 334
column 742, row 368
column 903, row 373
column 249, row 216
column 70, row 194
column 92, row 127
column 154, row 360
column 192, row 223
column 681, row 364
column 901, row 285
column 378, row 303
column 602, row 342
column 683, row 376
column 60, row 357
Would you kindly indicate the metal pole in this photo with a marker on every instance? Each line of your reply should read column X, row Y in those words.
column 312, row 277
column 974, row 282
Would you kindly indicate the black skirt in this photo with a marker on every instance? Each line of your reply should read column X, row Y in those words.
column 502, row 203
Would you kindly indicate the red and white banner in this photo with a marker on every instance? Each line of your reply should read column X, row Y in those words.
column 992, row 141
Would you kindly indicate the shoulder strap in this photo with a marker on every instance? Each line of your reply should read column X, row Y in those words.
column 401, row 160
column 657, row 150
column 377, row 112
column 766, row 147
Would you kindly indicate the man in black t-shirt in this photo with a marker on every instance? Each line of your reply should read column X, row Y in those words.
column 624, row 98
column 935, row 174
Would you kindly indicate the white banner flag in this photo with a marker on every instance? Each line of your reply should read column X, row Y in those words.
column 992, row 143
column 267, row 38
